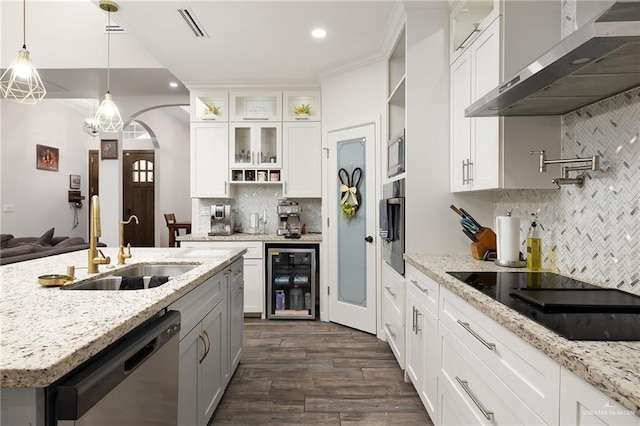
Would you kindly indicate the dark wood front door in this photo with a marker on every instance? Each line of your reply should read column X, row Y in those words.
column 138, row 197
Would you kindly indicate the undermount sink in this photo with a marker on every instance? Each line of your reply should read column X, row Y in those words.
column 150, row 269
column 134, row 277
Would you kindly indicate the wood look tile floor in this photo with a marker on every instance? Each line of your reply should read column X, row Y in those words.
column 317, row 373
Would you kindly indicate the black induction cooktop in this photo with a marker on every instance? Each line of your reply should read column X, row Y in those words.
column 572, row 308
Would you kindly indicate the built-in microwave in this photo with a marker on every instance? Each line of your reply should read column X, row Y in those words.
column 395, row 155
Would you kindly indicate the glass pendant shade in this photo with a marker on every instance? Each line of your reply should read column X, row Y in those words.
column 108, row 117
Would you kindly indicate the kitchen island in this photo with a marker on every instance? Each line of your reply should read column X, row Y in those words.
column 47, row 332
column 612, row 367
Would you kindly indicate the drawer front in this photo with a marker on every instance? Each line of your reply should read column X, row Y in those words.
column 428, row 287
column 196, row 304
column 529, row 373
column 393, row 286
column 394, row 329
column 478, row 389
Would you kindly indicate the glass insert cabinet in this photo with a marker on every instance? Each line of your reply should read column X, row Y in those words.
column 291, row 282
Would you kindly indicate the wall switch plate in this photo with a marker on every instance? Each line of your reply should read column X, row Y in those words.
column 8, row 208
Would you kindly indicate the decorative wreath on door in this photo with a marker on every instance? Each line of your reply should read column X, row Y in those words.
column 351, row 198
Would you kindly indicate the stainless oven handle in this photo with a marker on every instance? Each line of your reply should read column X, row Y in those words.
column 466, row 326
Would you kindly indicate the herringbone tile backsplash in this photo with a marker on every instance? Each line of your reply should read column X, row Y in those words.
column 592, row 232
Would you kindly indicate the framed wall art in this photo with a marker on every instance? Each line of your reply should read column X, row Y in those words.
column 74, row 181
column 109, row 149
column 47, row 158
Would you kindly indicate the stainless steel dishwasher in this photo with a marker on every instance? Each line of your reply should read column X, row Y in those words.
column 133, row 382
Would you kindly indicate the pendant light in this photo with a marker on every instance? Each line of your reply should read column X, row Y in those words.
column 21, row 82
column 108, row 117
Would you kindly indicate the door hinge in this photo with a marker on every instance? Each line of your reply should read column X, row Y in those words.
column 328, row 291
column 327, row 151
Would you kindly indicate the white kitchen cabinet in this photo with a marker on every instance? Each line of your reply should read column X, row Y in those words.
column 214, row 362
column 252, row 105
column 582, row 404
column 476, row 390
column 518, row 367
column 254, row 278
column 302, row 156
column 236, row 315
column 421, row 342
column 474, row 141
column 295, row 103
column 209, row 160
column 255, row 145
column 204, row 348
column 494, row 152
column 393, row 311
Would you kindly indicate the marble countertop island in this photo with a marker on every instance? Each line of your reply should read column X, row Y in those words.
column 45, row 332
column 612, row 367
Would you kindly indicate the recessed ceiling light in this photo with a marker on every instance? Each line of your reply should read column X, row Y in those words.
column 318, row 33
column 173, row 84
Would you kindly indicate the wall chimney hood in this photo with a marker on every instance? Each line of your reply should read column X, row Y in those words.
column 600, row 59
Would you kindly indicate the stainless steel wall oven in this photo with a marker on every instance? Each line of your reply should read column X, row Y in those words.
column 392, row 220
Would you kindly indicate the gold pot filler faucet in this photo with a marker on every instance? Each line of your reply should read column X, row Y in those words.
column 94, row 233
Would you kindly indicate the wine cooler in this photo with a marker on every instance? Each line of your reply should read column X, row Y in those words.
column 291, row 282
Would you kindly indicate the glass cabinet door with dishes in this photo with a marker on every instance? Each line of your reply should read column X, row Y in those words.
column 255, row 145
column 291, row 281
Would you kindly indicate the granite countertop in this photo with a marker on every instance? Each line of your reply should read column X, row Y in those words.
column 249, row 237
column 611, row 367
column 46, row 332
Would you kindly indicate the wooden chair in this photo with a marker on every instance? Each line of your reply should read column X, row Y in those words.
column 174, row 228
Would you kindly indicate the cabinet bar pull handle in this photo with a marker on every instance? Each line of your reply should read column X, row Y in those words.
column 255, row 118
column 465, row 325
column 464, row 164
column 425, row 291
column 389, row 291
column 469, row 178
column 413, row 318
column 414, row 282
column 475, row 30
column 209, row 343
column 465, row 386
column 389, row 328
column 417, row 326
column 205, row 349
column 225, row 187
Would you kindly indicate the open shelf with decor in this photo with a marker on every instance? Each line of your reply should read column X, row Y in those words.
column 262, row 176
column 209, row 106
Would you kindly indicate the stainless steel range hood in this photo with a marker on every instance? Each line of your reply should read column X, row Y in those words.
column 600, row 59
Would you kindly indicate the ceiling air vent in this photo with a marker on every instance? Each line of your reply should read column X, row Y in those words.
column 114, row 29
column 192, row 22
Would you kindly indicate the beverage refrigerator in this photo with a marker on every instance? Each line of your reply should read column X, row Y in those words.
column 292, row 274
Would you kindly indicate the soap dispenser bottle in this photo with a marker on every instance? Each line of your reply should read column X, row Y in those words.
column 534, row 245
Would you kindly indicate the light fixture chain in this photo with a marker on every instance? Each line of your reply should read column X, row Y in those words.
column 108, row 50
column 24, row 24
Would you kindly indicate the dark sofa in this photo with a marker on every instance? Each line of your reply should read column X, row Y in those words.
column 27, row 248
